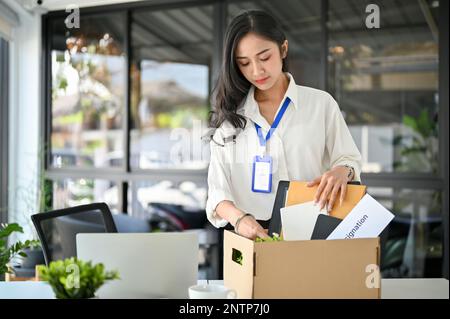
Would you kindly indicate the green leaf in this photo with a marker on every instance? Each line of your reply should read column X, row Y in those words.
column 410, row 122
column 275, row 237
column 424, row 123
column 9, row 229
column 15, row 249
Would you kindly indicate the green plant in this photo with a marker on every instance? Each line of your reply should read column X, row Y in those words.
column 275, row 237
column 73, row 278
column 419, row 149
column 7, row 253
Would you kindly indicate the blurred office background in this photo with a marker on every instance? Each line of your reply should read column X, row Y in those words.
column 114, row 110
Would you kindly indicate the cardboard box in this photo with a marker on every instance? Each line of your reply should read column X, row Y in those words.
column 302, row 269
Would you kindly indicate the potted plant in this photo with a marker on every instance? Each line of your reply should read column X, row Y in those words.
column 35, row 196
column 73, row 278
column 9, row 252
column 34, row 256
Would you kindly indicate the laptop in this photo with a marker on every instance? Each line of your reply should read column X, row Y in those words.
column 150, row 265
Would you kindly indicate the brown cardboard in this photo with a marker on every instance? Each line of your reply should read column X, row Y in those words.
column 299, row 193
column 240, row 277
column 301, row 269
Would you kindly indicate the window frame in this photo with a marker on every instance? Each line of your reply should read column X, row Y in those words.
column 443, row 125
column 124, row 175
column 4, row 128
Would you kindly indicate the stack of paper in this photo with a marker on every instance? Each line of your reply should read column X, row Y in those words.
column 366, row 220
column 298, row 220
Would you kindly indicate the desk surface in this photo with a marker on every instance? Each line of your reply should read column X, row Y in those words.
column 390, row 289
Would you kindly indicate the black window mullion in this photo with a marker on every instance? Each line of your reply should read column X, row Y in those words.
column 443, row 126
column 45, row 129
column 323, row 77
column 123, row 186
column 4, row 115
column 127, row 113
column 46, row 98
column 219, row 26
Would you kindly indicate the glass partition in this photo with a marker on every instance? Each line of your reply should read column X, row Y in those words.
column 88, row 92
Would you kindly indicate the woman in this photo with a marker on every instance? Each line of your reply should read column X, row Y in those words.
column 270, row 129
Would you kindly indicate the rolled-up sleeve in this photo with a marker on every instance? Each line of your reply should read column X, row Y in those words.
column 219, row 183
column 340, row 144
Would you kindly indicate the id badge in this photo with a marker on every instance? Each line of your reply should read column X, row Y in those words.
column 262, row 174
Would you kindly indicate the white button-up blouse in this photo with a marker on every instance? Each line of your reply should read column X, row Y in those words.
column 311, row 138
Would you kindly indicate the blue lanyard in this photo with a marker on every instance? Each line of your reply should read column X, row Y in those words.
column 275, row 123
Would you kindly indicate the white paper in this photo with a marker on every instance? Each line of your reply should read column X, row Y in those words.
column 366, row 220
column 262, row 176
column 298, row 221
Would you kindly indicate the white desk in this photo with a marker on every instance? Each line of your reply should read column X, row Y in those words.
column 390, row 289
column 414, row 288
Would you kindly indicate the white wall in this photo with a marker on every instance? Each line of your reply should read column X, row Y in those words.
column 25, row 56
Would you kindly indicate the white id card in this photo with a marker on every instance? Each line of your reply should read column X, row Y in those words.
column 262, row 174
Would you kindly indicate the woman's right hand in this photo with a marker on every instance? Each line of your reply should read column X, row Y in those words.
column 250, row 228
column 247, row 226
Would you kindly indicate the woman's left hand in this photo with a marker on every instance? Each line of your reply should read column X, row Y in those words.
column 330, row 183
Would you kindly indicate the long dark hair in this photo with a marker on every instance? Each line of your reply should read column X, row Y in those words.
column 232, row 87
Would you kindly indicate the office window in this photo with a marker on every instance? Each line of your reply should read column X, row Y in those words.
column 414, row 246
column 163, row 57
column 300, row 21
column 88, row 76
column 170, row 87
column 386, row 81
column 146, row 197
column 72, row 192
